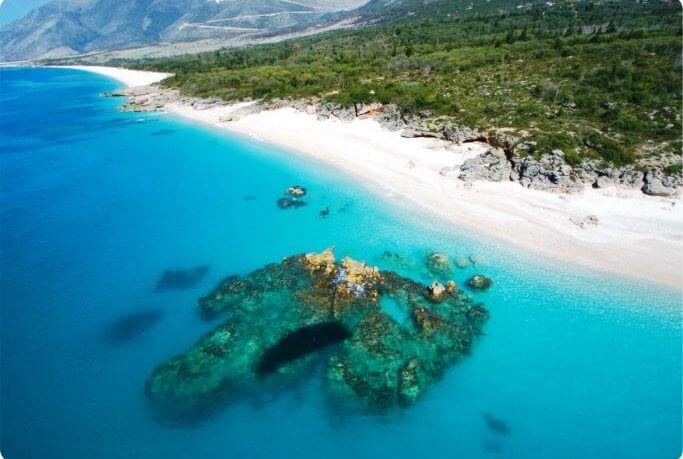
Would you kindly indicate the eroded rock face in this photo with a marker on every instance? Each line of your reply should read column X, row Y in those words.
column 379, row 365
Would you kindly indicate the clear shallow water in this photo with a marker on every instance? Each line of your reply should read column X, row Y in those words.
column 95, row 204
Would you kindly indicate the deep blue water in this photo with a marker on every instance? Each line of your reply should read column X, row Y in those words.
column 95, row 204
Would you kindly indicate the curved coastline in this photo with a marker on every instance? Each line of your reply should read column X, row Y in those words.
column 129, row 78
column 638, row 236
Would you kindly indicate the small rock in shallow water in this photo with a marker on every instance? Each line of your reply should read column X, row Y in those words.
column 325, row 212
column 479, row 282
column 437, row 291
column 296, row 191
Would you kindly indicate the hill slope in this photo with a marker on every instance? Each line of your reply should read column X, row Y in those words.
column 599, row 80
column 65, row 28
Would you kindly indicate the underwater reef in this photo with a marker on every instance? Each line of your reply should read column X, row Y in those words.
column 287, row 319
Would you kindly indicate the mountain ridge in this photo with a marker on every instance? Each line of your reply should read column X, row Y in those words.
column 66, row 28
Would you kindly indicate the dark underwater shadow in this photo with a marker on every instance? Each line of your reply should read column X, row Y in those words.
column 131, row 326
column 181, row 279
column 300, row 343
column 164, row 132
column 496, row 425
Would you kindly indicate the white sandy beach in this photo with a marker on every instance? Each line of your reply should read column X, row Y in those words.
column 637, row 236
column 129, row 78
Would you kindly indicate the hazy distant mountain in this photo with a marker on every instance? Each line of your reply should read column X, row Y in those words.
column 70, row 27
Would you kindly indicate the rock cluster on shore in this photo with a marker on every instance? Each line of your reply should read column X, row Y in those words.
column 376, row 363
column 551, row 172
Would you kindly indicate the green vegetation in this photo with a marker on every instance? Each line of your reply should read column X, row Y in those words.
column 597, row 79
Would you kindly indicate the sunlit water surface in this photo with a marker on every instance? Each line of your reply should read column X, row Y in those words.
column 96, row 203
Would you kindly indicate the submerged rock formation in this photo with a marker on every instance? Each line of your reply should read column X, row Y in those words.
column 280, row 318
column 438, row 263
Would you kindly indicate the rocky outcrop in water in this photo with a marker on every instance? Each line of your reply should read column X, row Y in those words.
column 371, row 361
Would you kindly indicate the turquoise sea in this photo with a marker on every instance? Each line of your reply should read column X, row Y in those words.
column 95, row 204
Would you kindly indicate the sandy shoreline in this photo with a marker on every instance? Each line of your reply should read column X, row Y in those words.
column 637, row 236
column 129, row 78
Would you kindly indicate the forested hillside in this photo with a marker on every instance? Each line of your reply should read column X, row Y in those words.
column 596, row 79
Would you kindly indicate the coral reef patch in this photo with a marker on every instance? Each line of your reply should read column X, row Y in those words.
column 280, row 316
